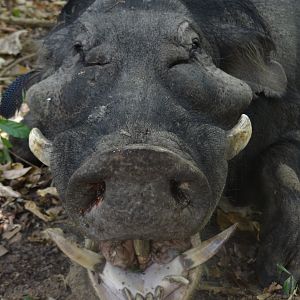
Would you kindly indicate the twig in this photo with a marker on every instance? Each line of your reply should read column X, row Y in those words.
column 221, row 290
column 6, row 78
column 16, row 62
column 22, row 159
column 25, row 22
column 8, row 29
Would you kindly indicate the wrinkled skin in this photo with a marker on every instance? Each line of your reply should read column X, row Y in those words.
column 137, row 97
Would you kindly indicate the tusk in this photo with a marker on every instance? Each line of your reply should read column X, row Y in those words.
column 84, row 257
column 139, row 297
column 149, row 296
column 159, row 293
column 238, row 137
column 199, row 255
column 127, row 294
column 40, row 146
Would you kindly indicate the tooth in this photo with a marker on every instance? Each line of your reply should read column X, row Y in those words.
column 177, row 279
column 84, row 257
column 127, row 294
column 40, row 146
column 159, row 293
column 149, row 296
column 199, row 255
column 139, row 297
column 238, row 137
column 90, row 245
column 142, row 250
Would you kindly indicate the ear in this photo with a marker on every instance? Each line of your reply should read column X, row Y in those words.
column 244, row 43
column 249, row 60
column 73, row 9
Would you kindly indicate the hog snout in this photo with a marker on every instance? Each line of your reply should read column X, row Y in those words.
column 139, row 191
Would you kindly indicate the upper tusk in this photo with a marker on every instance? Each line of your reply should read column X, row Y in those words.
column 238, row 137
column 40, row 146
column 84, row 257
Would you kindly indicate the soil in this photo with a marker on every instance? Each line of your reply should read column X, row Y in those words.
column 33, row 270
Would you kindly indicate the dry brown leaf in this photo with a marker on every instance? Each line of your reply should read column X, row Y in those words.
column 7, row 235
column 11, row 43
column 32, row 207
column 5, row 167
column 7, row 191
column 15, row 173
column 16, row 238
column 3, row 251
column 17, row 166
column 264, row 296
column 34, row 175
column 227, row 207
column 226, row 219
column 274, row 287
column 2, row 62
column 49, row 190
column 54, row 211
column 37, row 236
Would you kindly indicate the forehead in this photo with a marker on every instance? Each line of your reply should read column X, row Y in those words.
column 142, row 20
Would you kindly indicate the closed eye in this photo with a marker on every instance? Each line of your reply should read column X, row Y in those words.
column 187, row 55
column 78, row 48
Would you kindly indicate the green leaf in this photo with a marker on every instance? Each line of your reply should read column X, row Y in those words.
column 16, row 12
column 281, row 268
column 14, row 129
column 6, row 142
column 289, row 285
column 27, row 298
column 4, row 156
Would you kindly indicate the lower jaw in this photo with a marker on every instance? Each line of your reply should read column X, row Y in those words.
column 127, row 289
column 143, row 277
column 138, row 270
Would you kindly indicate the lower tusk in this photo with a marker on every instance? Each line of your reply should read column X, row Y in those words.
column 199, row 255
column 84, row 257
column 159, row 293
column 202, row 253
column 40, row 146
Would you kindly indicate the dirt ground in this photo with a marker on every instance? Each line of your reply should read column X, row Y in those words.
column 33, row 268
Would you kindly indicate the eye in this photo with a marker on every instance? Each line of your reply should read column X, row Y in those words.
column 98, row 56
column 78, row 48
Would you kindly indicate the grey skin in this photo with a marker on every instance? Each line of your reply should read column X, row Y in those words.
column 136, row 98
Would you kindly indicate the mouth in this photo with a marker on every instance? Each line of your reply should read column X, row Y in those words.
column 137, row 270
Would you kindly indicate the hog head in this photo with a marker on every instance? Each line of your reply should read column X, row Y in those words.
column 141, row 107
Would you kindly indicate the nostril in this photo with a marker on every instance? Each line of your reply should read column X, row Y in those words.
column 97, row 192
column 179, row 191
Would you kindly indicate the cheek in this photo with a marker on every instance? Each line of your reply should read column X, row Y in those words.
column 64, row 99
column 209, row 90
